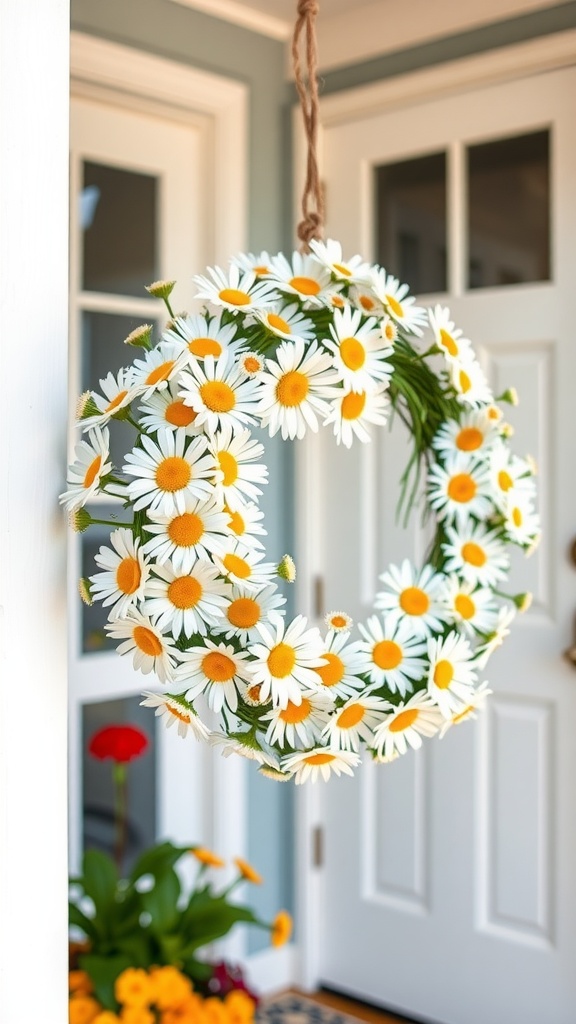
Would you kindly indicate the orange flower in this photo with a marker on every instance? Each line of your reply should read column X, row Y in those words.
column 137, row 1015
column 207, row 858
column 188, row 1012
column 281, row 928
column 133, row 988
column 214, row 1011
column 106, row 1017
column 169, row 987
column 240, row 1007
column 83, row 1010
column 247, row 871
column 79, row 981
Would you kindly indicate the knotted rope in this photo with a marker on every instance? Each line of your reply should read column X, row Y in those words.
column 312, row 198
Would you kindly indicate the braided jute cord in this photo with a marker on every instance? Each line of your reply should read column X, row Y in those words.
column 312, row 198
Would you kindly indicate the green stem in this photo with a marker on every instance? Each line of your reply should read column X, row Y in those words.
column 120, row 814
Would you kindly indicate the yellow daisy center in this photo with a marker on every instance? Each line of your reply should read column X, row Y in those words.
column 414, row 601
column 341, row 269
column 253, row 692
column 278, row 324
column 292, row 388
column 91, row 472
column 237, row 524
column 320, row 759
column 252, row 364
column 295, row 713
column 217, row 396
column 281, row 661
column 447, row 342
column 128, row 575
column 147, row 641
column 173, row 473
column 202, row 347
column 387, row 654
column 305, row 285
column 366, row 302
column 469, row 439
column 159, row 373
column 244, row 612
column 352, row 353
column 462, row 488
column 186, row 530
column 353, row 405
column 404, row 720
column 180, row 715
column 116, row 401
column 218, row 667
column 505, row 481
column 465, row 382
column 235, row 297
column 229, row 467
column 179, row 415
column 237, row 566
column 261, row 270
column 338, row 301
column 338, row 622
column 351, row 716
column 184, row 592
column 465, row 606
column 473, row 554
column 517, row 517
column 443, row 674
column 394, row 305
column 332, row 673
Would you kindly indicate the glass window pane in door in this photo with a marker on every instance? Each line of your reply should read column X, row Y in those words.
column 98, row 815
column 118, row 215
column 509, row 211
column 411, row 237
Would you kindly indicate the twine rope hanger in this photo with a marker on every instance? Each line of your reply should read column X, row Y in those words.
column 307, row 86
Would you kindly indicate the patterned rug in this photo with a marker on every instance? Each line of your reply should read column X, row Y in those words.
column 296, row 1009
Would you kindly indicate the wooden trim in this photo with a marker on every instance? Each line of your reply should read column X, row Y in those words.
column 243, row 15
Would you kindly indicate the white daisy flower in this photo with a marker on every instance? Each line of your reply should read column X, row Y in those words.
column 352, row 412
column 242, row 567
column 245, row 611
column 152, row 651
column 244, row 522
column 286, row 658
column 452, row 673
column 126, row 572
column 257, row 263
column 236, row 478
column 412, row 595
column 506, row 616
column 159, row 366
column 305, row 277
column 186, row 602
column 203, row 336
column 476, row 553
column 342, row 665
column 448, row 338
column 406, row 725
column 166, row 472
column 397, row 302
column 287, row 322
column 362, row 297
column 251, row 694
column 251, row 363
column 475, row 432
column 236, row 291
column 470, row 608
column 477, row 703
column 391, row 653
column 118, row 394
column 359, row 351
column 338, row 621
column 469, row 382
column 246, row 745
column 333, row 298
column 184, row 537
column 310, row 764
column 175, row 709
column 388, row 330
column 220, row 393
column 355, row 721
column 329, row 253
column 165, row 410
column 216, row 670
column 521, row 522
column 298, row 724
column 510, row 476
column 295, row 388
column 89, row 467
column 459, row 489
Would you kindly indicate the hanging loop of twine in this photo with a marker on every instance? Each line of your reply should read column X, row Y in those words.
column 312, row 198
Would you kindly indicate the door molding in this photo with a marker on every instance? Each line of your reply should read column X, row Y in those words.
column 497, row 67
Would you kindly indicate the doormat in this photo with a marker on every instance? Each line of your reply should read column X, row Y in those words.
column 296, row 1009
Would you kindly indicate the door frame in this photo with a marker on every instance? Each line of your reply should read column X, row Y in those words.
column 496, row 67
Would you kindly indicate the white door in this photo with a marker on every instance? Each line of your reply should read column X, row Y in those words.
column 448, row 889
column 137, row 215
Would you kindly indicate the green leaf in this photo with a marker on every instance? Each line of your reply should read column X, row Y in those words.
column 76, row 917
column 161, row 902
column 157, row 859
column 210, row 921
column 103, row 971
column 99, row 881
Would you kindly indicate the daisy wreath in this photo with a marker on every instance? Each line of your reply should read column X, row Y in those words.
column 292, row 345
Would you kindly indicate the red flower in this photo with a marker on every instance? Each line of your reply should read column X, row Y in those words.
column 120, row 742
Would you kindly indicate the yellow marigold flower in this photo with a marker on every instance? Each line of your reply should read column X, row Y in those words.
column 281, row 928
column 80, row 982
column 170, row 987
column 215, row 1011
column 240, row 1007
column 247, row 871
column 133, row 988
column 137, row 1015
column 207, row 858
column 188, row 1012
column 106, row 1017
column 83, row 1010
